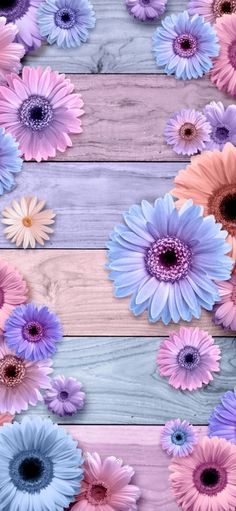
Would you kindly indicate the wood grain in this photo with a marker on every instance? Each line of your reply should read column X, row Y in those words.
column 74, row 283
column 126, row 115
column 89, row 198
column 123, row 384
column 118, row 44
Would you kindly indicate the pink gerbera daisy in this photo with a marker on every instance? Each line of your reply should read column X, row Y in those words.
column 206, row 479
column 13, row 291
column 188, row 358
column 39, row 110
column 223, row 73
column 10, row 52
column 225, row 310
column 21, row 380
column 106, row 486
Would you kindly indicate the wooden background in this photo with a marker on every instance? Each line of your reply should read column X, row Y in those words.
column 119, row 159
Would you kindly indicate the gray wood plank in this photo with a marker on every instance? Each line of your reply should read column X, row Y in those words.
column 123, row 387
column 89, row 198
column 118, row 44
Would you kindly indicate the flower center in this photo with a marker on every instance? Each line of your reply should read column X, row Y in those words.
column 178, row 438
column 145, row 2
column 63, row 396
column 30, row 471
column 233, row 295
column 210, row 479
column 232, row 54
column 36, row 113
column 222, row 204
column 27, row 221
column 33, row 331
column 2, row 297
column 14, row 9
column 12, row 370
column 221, row 134
column 221, row 7
column 168, row 259
column 98, row 493
column 188, row 131
column 189, row 358
column 65, row 18
column 185, row 45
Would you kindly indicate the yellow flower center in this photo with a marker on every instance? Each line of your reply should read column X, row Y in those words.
column 27, row 221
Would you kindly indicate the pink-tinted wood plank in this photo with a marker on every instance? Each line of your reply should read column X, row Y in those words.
column 74, row 283
column 138, row 446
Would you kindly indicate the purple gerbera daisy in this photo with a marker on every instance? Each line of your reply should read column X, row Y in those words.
column 223, row 124
column 178, row 438
column 64, row 397
column 146, row 10
column 187, row 131
column 33, row 332
column 23, row 14
column 222, row 422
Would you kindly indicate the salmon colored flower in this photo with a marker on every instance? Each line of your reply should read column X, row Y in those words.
column 223, row 73
column 5, row 418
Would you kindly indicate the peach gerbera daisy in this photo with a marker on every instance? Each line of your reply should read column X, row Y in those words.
column 210, row 181
column 5, row 417
column 223, row 73
column 28, row 222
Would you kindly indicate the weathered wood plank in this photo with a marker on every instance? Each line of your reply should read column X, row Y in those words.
column 118, row 44
column 126, row 115
column 89, row 198
column 74, row 283
column 123, row 385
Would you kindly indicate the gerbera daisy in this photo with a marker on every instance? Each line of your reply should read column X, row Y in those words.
column 146, row 10
column 225, row 309
column 10, row 52
column 23, row 14
column 10, row 161
column 21, row 381
column 39, row 110
column 66, row 22
column 222, row 422
column 223, row 74
column 13, row 291
column 223, row 124
column 5, row 418
column 28, row 222
column 188, row 358
column 106, row 485
column 213, row 9
column 206, row 479
column 187, row 131
column 210, row 180
column 178, row 438
column 64, row 396
column 40, row 466
column 163, row 257
column 33, row 332
column 185, row 45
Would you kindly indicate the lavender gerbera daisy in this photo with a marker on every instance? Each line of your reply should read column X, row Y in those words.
column 33, row 332
column 162, row 256
column 185, row 45
column 222, row 422
column 223, row 124
column 187, row 131
column 211, row 10
column 178, row 438
column 64, row 397
column 146, row 10
column 23, row 14
column 10, row 161
column 66, row 22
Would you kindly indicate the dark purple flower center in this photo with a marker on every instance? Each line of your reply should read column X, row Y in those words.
column 13, row 9
column 185, row 45
column 36, row 113
column 1, row 298
column 210, row 479
column 232, row 54
column 31, row 471
column 63, row 395
column 221, row 7
column 168, row 259
column 65, row 18
column 188, row 131
column 189, row 357
column 12, row 370
column 33, row 331
column 98, row 493
column 145, row 2
column 178, row 438
column 221, row 134
column 222, row 204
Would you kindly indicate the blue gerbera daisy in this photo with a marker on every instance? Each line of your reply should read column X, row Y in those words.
column 66, row 22
column 184, row 45
column 163, row 257
column 40, row 466
column 10, row 161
